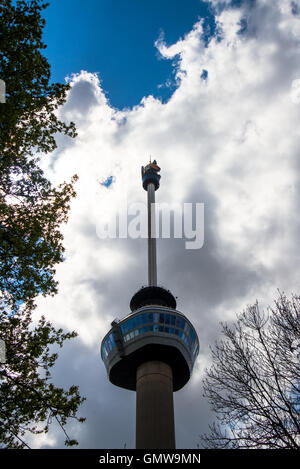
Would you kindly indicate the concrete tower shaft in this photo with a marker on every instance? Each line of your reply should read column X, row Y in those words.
column 155, row 420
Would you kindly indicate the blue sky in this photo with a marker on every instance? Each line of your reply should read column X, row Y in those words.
column 116, row 39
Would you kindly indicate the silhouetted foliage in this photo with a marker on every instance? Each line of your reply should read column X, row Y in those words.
column 30, row 238
column 254, row 382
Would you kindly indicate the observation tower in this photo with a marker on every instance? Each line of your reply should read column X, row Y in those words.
column 152, row 350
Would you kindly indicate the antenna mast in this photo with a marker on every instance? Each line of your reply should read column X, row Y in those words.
column 150, row 178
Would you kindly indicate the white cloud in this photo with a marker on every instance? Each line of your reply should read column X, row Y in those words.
column 230, row 141
column 295, row 91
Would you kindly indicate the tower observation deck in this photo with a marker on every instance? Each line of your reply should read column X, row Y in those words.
column 153, row 349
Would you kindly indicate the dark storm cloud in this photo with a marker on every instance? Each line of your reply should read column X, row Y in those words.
column 202, row 279
column 109, row 410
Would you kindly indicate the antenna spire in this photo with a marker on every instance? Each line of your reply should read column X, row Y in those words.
column 150, row 178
